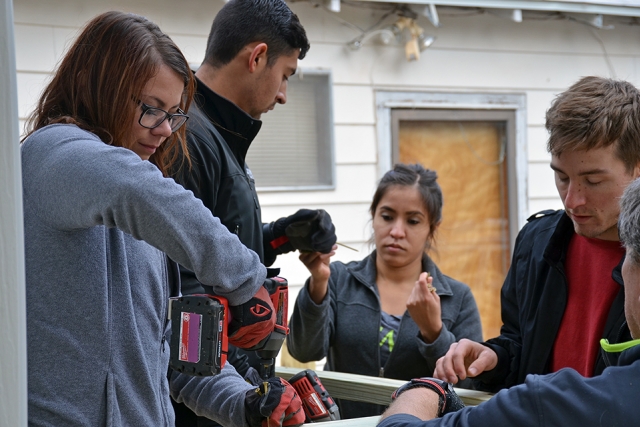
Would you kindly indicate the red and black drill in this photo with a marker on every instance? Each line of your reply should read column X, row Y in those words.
column 317, row 404
column 199, row 344
column 199, row 339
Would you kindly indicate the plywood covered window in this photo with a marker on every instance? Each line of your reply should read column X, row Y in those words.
column 294, row 148
column 470, row 151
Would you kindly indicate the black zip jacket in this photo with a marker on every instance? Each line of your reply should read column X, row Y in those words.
column 533, row 300
column 219, row 135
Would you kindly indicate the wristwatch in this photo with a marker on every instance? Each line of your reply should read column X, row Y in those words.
column 442, row 388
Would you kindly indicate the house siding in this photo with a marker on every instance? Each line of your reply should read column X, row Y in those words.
column 473, row 53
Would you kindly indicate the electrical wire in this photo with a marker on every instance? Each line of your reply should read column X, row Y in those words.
column 605, row 53
column 607, row 59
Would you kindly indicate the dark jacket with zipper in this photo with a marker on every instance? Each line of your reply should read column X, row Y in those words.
column 219, row 135
column 345, row 328
column 533, row 300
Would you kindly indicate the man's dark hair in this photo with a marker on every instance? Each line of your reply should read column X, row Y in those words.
column 241, row 22
column 594, row 113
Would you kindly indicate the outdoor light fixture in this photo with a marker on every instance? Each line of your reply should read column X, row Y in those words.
column 425, row 41
column 416, row 39
column 431, row 13
column 405, row 30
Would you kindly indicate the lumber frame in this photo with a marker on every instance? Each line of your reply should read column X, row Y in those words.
column 362, row 388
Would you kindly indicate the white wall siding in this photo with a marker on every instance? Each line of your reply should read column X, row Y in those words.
column 352, row 104
column 537, row 144
column 355, row 144
column 473, row 53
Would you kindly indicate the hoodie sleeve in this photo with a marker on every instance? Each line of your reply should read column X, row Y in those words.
column 81, row 182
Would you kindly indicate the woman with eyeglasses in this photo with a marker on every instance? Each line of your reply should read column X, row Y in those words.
column 100, row 218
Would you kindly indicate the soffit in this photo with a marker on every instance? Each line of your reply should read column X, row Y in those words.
column 601, row 7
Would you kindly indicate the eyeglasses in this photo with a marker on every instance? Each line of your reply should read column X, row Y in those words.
column 153, row 117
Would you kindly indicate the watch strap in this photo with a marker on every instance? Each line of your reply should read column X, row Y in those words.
column 436, row 385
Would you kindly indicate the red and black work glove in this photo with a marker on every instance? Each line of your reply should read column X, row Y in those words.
column 252, row 322
column 448, row 400
column 306, row 230
column 274, row 403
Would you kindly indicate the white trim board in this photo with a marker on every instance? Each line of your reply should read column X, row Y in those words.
column 388, row 100
column 13, row 347
column 362, row 388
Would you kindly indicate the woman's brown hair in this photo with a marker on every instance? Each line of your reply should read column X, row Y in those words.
column 102, row 75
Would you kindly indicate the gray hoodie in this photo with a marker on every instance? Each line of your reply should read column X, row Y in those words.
column 98, row 222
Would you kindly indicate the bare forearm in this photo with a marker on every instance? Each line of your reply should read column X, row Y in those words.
column 318, row 265
column 318, row 289
column 420, row 402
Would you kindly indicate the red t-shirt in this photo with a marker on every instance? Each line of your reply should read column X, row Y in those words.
column 591, row 291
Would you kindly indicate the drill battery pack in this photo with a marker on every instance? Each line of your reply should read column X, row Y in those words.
column 318, row 405
column 199, row 342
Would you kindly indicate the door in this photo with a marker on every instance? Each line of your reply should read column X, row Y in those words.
column 469, row 151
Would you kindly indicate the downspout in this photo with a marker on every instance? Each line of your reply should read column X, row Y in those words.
column 13, row 340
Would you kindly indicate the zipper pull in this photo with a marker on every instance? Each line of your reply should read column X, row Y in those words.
column 382, row 372
column 164, row 338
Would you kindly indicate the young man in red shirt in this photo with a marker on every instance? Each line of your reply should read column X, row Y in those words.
column 564, row 398
column 564, row 292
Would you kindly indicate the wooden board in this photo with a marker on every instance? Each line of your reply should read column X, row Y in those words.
column 353, row 422
column 361, row 388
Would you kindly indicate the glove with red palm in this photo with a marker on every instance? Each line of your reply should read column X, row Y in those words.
column 274, row 403
column 307, row 230
column 252, row 322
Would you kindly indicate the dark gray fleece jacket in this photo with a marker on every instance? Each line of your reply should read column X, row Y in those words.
column 345, row 328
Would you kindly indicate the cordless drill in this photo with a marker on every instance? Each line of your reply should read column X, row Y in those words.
column 318, row 405
column 199, row 339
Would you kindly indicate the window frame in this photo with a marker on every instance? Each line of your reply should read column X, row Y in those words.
column 327, row 114
column 509, row 108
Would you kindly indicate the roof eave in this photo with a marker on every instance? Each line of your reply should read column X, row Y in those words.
column 532, row 5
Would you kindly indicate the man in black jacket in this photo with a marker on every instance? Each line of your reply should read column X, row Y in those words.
column 564, row 288
column 252, row 50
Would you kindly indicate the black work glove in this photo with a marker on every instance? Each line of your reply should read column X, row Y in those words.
column 306, row 230
column 252, row 322
column 273, row 403
column 449, row 401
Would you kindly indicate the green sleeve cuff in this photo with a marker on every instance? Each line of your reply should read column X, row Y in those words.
column 617, row 348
